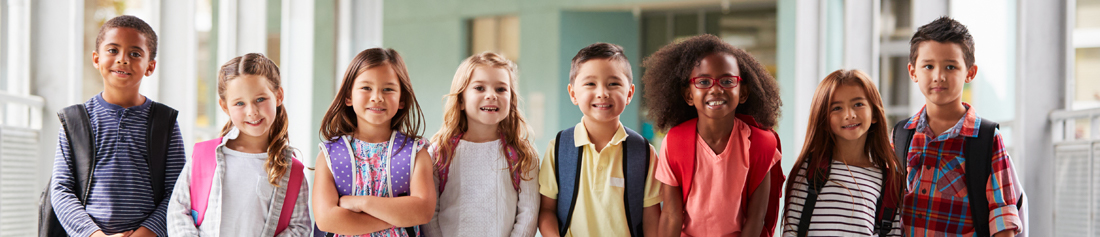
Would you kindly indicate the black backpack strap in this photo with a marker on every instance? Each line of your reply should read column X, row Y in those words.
column 635, row 171
column 815, row 186
column 567, row 166
column 78, row 129
column 162, row 120
column 979, row 157
column 902, row 139
column 884, row 216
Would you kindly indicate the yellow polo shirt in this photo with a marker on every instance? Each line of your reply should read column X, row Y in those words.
column 600, row 210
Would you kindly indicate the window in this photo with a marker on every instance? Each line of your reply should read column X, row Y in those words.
column 207, row 66
column 1086, row 61
column 894, row 83
column 498, row 34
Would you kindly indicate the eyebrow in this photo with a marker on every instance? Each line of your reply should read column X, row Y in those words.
column 853, row 99
column 948, row 60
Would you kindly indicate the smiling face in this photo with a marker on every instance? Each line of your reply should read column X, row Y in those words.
column 601, row 90
column 940, row 72
column 850, row 113
column 717, row 102
column 251, row 104
column 487, row 97
column 375, row 96
column 123, row 58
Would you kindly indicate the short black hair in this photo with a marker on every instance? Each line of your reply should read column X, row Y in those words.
column 599, row 50
column 944, row 30
column 131, row 22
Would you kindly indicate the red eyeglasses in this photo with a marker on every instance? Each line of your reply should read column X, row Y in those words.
column 708, row 82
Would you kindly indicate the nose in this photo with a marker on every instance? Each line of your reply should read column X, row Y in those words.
column 938, row 75
column 375, row 96
column 849, row 114
column 601, row 92
column 490, row 96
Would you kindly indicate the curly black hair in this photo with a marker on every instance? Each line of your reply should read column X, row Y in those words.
column 667, row 77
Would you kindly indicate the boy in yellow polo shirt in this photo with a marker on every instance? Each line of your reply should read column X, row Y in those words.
column 605, row 170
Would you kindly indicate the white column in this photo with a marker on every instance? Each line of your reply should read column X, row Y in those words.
column 809, row 45
column 861, row 36
column 1043, row 53
column 360, row 28
column 56, row 67
column 297, row 72
column 242, row 28
column 176, row 63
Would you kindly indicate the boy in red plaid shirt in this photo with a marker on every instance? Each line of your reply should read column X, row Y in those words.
column 941, row 61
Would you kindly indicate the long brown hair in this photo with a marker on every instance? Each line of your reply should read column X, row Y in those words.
column 820, row 141
column 514, row 130
column 341, row 120
column 278, row 139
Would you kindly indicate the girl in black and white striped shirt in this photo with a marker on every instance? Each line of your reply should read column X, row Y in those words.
column 847, row 177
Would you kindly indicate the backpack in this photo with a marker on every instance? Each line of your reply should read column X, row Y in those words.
column 203, row 163
column 78, row 130
column 341, row 162
column 977, row 171
column 763, row 149
column 635, row 171
column 512, row 159
column 885, row 209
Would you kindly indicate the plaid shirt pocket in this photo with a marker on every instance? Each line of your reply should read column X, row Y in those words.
column 951, row 181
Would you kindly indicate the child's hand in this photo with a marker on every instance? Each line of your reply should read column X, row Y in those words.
column 349, row 202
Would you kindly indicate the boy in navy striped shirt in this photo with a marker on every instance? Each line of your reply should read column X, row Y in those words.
column 120, row 201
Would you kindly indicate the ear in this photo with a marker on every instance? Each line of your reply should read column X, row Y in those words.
column 572, row 95
column 742, row 95
column 152, row 65
column 912, row 72
column 347, row 100
column 225, row 107
column 630, row 95
column 95, row 59
column 688, row 97
column 971, row 73
column 279, row 97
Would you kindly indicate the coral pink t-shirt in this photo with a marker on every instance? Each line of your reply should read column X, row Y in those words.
column 713, row 206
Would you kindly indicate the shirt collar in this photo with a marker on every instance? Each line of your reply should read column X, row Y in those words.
column 113, row 107
column 967, row 126
column 580, row 135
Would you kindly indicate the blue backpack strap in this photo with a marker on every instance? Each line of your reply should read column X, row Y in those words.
column 567, row 163
column 341, row 164
column 401, row 159
column 635, row 170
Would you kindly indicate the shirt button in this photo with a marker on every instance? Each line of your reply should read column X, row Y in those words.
column 924, row 191
column 927, row 167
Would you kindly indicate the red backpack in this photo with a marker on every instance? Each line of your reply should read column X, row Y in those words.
column 763, row 148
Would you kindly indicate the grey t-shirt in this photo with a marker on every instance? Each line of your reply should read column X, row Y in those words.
column 246, row 180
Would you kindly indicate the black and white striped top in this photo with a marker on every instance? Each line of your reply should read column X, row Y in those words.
column 845, row 206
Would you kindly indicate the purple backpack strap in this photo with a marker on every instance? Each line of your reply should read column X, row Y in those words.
column 401, row 160
column 341, row 164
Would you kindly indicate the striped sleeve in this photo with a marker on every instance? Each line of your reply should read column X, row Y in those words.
column 1002, row 191
column 70, row 212
column 157, row 222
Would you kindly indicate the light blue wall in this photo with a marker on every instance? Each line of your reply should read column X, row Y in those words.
column 578, row 31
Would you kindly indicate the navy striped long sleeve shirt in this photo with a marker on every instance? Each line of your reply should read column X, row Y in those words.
column 121, row 196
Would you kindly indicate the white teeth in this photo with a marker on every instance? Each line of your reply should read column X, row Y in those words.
column 253, row 122
column 491, row 109
column 717, row 102
column 121, row 72
column 376, row 109
column 853, row 125
column 603, row 106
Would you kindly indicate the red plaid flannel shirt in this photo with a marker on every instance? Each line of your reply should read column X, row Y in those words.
column 937, row 202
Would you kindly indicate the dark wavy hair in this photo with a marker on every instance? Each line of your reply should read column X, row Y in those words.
column 667, row 76
column 943, row 30
column 132, row 22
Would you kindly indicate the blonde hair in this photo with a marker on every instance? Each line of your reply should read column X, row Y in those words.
column 278, row 138
column 514, row 130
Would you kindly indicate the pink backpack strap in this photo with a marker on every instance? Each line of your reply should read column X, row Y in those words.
column 291, row 198
column 203, row 163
